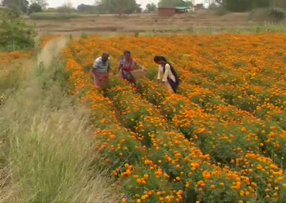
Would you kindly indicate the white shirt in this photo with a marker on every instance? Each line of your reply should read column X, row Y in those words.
column 164, row 75
column 101, row 67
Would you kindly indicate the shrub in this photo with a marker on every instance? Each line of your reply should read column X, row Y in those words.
column 276, row 14
column 263, row 14
column 53, row 16
column 15, row 33
column 218, row 10
column 245, row 5
column 34, row 8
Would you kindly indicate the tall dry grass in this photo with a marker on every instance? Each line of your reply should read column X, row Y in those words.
column 46, row 150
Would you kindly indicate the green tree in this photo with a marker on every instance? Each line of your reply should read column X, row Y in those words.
column 279, row 3
column 86, row 8
column 171, row 3
column 65, row 10
column 119, row 7
column 219, row 2
column 15, row 33
column 17, row 6
column 151, row 7
column 34, row 8
column 42, row 3
column 245, row 5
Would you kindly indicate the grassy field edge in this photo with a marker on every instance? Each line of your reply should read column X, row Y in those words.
column 45, row 143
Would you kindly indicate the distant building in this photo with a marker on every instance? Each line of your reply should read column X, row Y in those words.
column 182, row 9
column 167, row 11
column 170, row 11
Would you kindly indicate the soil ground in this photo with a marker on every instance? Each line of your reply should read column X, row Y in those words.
column 200, row 22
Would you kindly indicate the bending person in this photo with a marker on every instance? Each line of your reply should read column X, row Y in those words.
column 126, row 66
column 167, row 73
column 101, row 68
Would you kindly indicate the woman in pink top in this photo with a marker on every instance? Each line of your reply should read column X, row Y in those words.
column 126, row 66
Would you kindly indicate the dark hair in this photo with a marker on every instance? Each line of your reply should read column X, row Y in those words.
column 160, row 58
column 127, row 52
column 105, row 54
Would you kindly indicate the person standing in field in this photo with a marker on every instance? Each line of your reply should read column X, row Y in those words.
column 101, row 69
column 167, row 74
column 126, row 66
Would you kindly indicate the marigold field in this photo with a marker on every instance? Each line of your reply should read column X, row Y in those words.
column 222, row 138
column 8, row 57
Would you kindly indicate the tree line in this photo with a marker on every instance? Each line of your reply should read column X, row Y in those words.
column 101, row 6
column 247, row 5
column 19, row 7
column 131, row 6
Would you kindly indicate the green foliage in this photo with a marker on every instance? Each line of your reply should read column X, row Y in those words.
column 151, row 7
column 218, row 10
column 61, row 14
column 42, row 3
column 15, row 33
column 267, row 14
column 17, row 6
column 167, row 3
column 35, row 8
column 277, row 14
column 47, row 154
column 118, row 7
column 83, row 8
column 245, row 5
column 279, row 3
column 66, row 9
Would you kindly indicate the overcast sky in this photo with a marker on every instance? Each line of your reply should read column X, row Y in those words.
column 75, row 3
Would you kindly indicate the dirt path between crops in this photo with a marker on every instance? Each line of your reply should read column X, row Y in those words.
column 25, row 66
column 51, row 50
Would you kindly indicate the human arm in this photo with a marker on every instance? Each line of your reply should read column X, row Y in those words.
column 137, row 66
column 120, row 66
column 109, row 65
column 94, row 66
column 166, row 73
column 140, row 67
column 160, row 72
